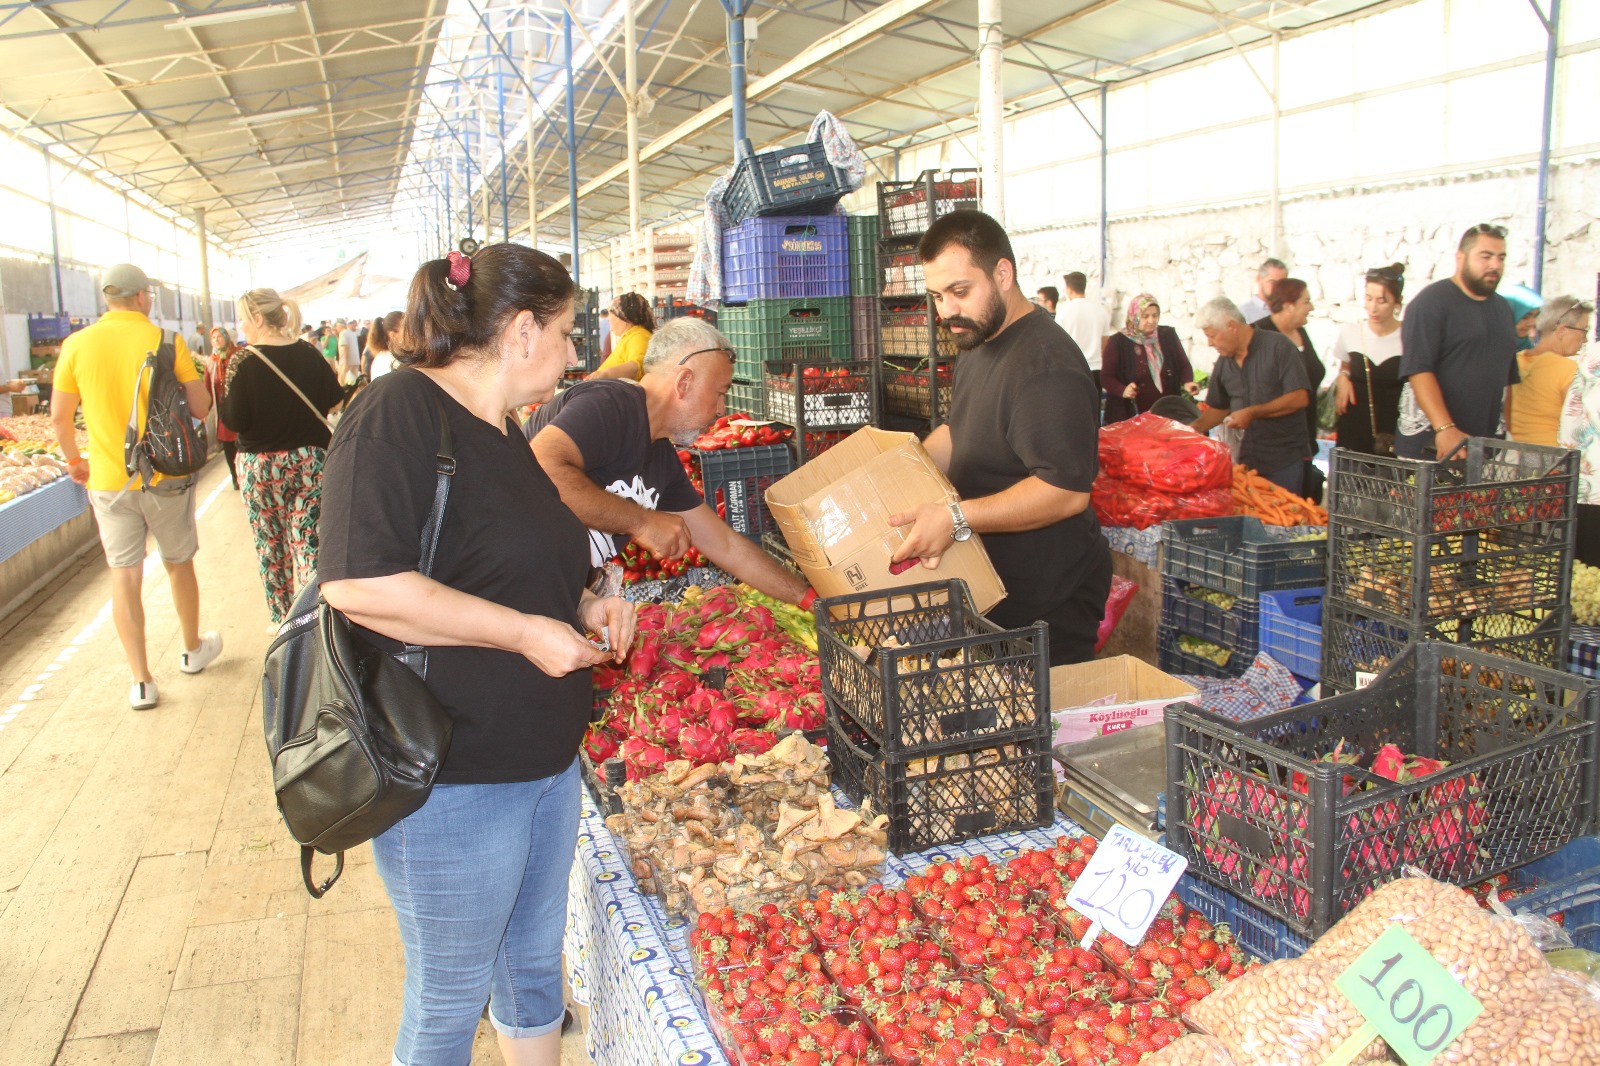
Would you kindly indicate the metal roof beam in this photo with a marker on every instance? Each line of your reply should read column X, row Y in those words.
column 52, row 9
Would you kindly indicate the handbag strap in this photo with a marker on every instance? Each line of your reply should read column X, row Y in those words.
column 1372, row 400
column 278, row 370
column 444, row 468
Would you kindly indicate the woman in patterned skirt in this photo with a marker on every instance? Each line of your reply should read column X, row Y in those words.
column 278, row 393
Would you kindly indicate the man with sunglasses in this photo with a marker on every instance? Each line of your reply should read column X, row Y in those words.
column 1459, row 349
column 610, row 447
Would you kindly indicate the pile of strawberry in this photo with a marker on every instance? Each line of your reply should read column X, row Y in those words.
column 1434, row 828
column 706, row 680
column 969, row 962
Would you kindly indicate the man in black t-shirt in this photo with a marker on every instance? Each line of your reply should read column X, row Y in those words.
column 1459, row 350
column 611, row 449
column 1020, row 445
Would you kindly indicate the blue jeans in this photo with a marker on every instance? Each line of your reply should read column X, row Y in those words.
column 478, row 879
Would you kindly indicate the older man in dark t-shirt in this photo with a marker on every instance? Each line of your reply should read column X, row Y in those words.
column 1020, row 445
column 1259, row 386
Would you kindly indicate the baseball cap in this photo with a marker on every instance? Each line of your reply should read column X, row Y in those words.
column 124, row 280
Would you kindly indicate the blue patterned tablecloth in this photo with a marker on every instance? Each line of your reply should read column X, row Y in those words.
column 32, row 515
column 1143, row 545
column 629, row 963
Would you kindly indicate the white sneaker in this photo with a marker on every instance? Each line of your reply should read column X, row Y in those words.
column 197, row 659
column 142, row 696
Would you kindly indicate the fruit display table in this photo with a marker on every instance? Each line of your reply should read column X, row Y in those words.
column 629, row 963
column 27, row 518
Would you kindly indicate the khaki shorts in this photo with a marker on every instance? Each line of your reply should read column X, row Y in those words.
column 125, row 518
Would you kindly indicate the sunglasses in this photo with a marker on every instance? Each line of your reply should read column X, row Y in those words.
column 732, row 355
column 1484, row 229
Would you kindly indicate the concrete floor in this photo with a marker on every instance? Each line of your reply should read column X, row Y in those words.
column 151, row 909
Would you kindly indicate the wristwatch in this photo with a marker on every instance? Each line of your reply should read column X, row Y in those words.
column 959, row 531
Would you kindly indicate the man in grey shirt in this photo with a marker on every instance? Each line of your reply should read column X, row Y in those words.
column 1258, row 386
column 1270, row 272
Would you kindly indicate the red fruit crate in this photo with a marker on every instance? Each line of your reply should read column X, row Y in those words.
column 826, row 395
column 948, row 675
column 906, row 208
column 814, row 442
column 1263, row 810
column 736, row 481
column 919, row 388
column 912, row 330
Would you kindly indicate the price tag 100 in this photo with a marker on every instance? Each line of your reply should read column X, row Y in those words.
column 1414, row 1002
column 1125, row 883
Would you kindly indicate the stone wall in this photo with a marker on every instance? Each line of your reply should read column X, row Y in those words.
column 1330, row 240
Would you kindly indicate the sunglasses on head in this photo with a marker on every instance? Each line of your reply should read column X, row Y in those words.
column 1484, row 229
column 732, row 355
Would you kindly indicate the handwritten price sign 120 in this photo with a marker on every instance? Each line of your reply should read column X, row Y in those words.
column 1125, row 884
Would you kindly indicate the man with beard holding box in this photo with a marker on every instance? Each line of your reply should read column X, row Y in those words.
column 1459, row 352
column 1019, row 445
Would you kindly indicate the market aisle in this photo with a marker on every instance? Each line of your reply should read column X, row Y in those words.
column 151, row 910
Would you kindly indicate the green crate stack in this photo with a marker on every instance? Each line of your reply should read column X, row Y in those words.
column 864, row 278
column 748, row 397
column 762, row 330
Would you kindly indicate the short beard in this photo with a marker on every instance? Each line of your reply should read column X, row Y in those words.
column 1476, row 284
column 979, row 332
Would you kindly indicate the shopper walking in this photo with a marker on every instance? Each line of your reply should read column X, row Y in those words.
column 1533, row 414
column 380, row 344
column 477, row 876
column 1460, row 342
column 1019, row 445
column 1143, row 363
column 349, row 354
column 1289, row 306
column 223, row 351
column 632, row 322
column 279, row 391
column 97, row 368
column 1084, row 320
column 1367, row 353
column 1580, row 429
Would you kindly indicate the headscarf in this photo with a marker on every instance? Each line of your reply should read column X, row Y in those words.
column 1523, row 300
column 1130, row 328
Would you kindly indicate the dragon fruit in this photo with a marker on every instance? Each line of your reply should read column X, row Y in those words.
column 702, row 744
column 643, row 758
column 600, row 743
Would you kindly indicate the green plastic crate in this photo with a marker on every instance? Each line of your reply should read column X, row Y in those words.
column 748, row 397
column 864, row 255
column 764, row 330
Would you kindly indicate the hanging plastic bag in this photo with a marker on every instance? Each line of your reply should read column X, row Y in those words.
column 1159, row 453
column 1122, row 593
column 1138, row 506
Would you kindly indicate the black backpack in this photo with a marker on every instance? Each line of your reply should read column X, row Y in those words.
column 355, row 735
column 173, row 442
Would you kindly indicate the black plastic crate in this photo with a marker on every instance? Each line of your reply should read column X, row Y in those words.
column 601, row 787
column 1494, row 484
column 822, row 395
column 786, row 257
column 813, row 442
column 955, row 676
column 1414, row 578
column 900, row 270
column 784, row 181
column 864, row 316
column 918, row 388
column 1241, row 556
column 910, row 328
column 1237, row 626
column 773, row 544
column 1255, row 809
column 737, row 479
column 1356, row 646
column 1173, row 659
column 667, row 308
column 1002, row 785
column 908, row 208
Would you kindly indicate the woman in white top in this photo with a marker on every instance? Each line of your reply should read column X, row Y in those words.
column 379, row 340
column 1368, row 356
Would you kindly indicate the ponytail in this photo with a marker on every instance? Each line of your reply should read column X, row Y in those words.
column 443, row 321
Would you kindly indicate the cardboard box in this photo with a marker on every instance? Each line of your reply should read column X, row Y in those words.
column 1089, row 700
column 834, row 514
column 23, row 403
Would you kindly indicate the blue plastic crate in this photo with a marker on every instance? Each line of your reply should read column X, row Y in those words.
column 1571, row 886
column 1291, row 630
column 786, row 258
column 1174, row 660
column 1259, row 933
column 1242, row 557
column 1204, row 897
column 1237, row 627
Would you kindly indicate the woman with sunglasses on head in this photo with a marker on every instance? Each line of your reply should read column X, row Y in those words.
column 1548, row 371
column 632, row 323
column 1367, row 354
column 1580, row 429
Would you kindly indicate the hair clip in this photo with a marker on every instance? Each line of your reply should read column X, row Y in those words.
column 459, row 272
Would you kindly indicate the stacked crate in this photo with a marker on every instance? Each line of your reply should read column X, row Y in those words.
column 946, row 727
column 586, row 333
column 917, row 354
column 1474, row 550
column 653, row 263
column 669, row 307
column 864, row 286
column 1214, row 571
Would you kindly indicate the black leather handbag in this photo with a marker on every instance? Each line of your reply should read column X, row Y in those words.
column 355, row 736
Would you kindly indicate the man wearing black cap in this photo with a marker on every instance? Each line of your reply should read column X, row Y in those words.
column 98, row 367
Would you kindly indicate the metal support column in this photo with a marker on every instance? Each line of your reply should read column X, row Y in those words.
column 1105, row 197
column 572, row 146
column 527, row 84
column 630, row 92
column 991, row 109
column 1552, row 27
column 1277, row 150
column 55, row 238
column 737, row 9
column 205, row 275
column 505, row 191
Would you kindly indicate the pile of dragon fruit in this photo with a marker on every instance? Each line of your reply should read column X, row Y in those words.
column 708, row 678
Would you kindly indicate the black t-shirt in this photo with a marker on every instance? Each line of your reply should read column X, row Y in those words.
column 610, row 423
column 266, row 413
column 1315, row 370
column 1471, row 345
column 507, row 538
column 1272, row 368
column 1025, row 405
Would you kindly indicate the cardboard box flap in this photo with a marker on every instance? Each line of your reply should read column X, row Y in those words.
column 1116, row 681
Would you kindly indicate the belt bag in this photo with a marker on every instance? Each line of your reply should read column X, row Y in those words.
column 355, row 736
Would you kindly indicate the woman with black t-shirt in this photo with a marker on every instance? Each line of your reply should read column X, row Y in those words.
column 478, row 875
column 283, row 438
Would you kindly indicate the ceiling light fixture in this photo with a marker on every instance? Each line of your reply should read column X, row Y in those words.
column 231, row 14
column 274, row 116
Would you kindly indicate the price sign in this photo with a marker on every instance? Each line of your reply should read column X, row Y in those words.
column 1125, row 884
column 1410, row 999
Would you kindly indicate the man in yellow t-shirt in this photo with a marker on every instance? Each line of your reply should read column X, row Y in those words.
column 98, row 366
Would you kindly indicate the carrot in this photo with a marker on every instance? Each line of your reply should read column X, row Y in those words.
column 1254, row 494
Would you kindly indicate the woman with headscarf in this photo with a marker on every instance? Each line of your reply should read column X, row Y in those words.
column 1143, row 363
column 1525, row 305
column 632, row 324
